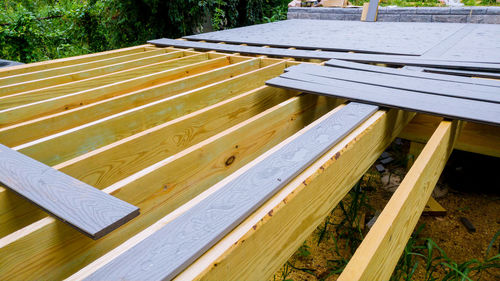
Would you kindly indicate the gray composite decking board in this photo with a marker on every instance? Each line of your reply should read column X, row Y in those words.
column 305, row 54
column 413, row 73
column 444, row 88
column 168, row 251
column 88, row 209
column 406, row 38
column 456, row 108
column 466, row 73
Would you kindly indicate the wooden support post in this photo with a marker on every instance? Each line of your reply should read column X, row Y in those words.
column 379, row 252
column 432, row 207
column 415, row 150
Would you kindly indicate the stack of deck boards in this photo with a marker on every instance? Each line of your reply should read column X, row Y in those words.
column 454, row 97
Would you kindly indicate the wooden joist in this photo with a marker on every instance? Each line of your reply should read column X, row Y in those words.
column 25, row 68
column 380, row 250
column 82, row 206
column 32, row 84
column 150, row 88
column 119, row 134
column 78, row 68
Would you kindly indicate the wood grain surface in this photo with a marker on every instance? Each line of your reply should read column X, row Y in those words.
column 457, row 108
column 443, row 88
column 80, row 205
column 168, row 251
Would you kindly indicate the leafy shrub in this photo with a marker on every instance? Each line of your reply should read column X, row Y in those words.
column 46, row 29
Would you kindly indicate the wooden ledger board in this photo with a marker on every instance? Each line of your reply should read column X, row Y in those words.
column 80, row 205
column 168, row 251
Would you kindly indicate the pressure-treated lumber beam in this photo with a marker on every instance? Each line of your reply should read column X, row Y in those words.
column 82, row 206
column 80, row 140
column 19, row 100
column 380, row 250
column 28, row 84
column 130, row 87
column 264, row 241
column 129, row 97
column 475, row 137
column 157, row 190
column 58, row 71
column 142, row 150
column 25, row 68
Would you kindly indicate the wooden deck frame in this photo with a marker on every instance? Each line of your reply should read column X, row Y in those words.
column 276, row 115
column 215, row 140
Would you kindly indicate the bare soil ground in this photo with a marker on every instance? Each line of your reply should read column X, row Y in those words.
column 469, row 187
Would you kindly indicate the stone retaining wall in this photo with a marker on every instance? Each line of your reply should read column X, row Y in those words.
column 404, row 14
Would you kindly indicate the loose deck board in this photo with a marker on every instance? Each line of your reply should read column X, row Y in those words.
column 80, row 205
column 420, row 61
column 413, row 73
column 467, row 73
column 451, row 107
column 443, row 88
column 408, row 38
column 168, row 251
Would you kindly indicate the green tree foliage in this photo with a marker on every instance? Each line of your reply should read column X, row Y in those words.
column 39, row 30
